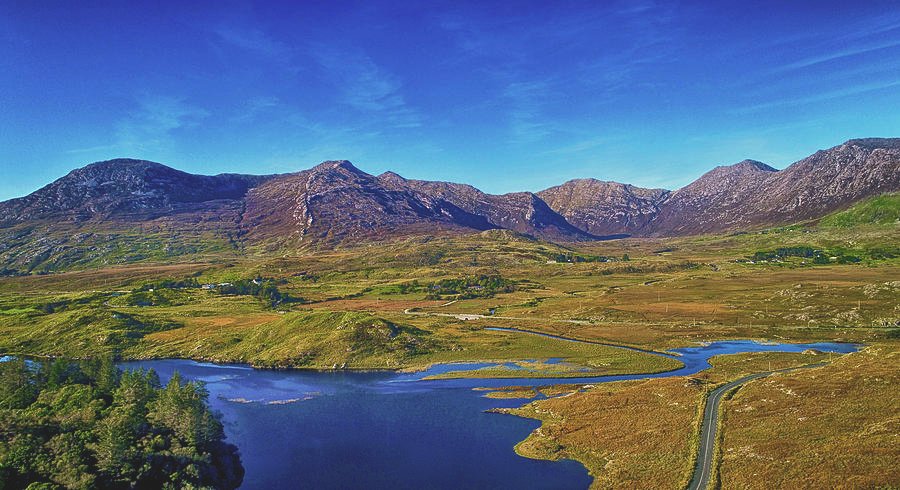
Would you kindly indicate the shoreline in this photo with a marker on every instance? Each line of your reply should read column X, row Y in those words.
column 523, row 374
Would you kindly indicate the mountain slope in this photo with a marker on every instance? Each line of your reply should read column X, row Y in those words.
column 604, row 208
column 749, row 194
column 125, row 188
column 336, row 201
column 522, row 212
column 829, row 180
column 124, row 210
column 716, row 200
column 746, row 195
column 883, row 210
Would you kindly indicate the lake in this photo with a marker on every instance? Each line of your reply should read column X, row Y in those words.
column 306, row 429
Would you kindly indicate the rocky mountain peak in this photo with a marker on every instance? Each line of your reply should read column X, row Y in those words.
column 393, row 179
column 130, row 163
column 727, row 181
column 744, row 168
column 125, row 186
column 522, row 212
column 339, row 166
column 875, row 143
column 739, row 198
column 752, row 165
column 604, row 208
column 127, row 171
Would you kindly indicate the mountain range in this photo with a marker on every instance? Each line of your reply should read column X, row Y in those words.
column 336, row 202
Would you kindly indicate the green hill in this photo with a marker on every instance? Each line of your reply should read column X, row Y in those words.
column 879, row 210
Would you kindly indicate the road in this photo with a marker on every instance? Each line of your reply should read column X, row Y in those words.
column 706, row 454
column 475, row 316
column 468, row 316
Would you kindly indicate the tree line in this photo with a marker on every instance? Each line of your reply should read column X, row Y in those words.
column 481, row 286
column 266, row 289
column 86, row 424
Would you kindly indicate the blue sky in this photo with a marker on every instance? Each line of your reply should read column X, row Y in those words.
column 506, row 96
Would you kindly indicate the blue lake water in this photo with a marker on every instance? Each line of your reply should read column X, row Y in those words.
column 301, row 429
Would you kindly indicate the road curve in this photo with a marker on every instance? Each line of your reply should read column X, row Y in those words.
column 703, row 466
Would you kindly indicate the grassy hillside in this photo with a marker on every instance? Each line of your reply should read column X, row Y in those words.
column 825, row 428
column 880, row 210
column 396, row 304
column 55, row 247
column 821, row 428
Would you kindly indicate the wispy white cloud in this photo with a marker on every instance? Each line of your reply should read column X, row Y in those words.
column 821, row 97
column 367, row 87
column 583, row 145
column 256, row 41
column 527, row 123
column 635, row 34
column 825, row 64
column 818, row 40
column 880, row 69
column 837, row 55
column 91, row 149
column 151, row 126
column 255, row 107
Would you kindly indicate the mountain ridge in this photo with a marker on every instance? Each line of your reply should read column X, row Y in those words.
column 126, row 186
column 335, row 201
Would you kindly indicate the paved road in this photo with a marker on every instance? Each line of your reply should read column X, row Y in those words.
column 704, row 465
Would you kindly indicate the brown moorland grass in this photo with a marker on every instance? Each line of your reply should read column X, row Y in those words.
column 671, row 293
column 834, row 427
column 637, row 434
column 324, row 339
column 374, row 305
column 100, row 279
column 634, row 434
